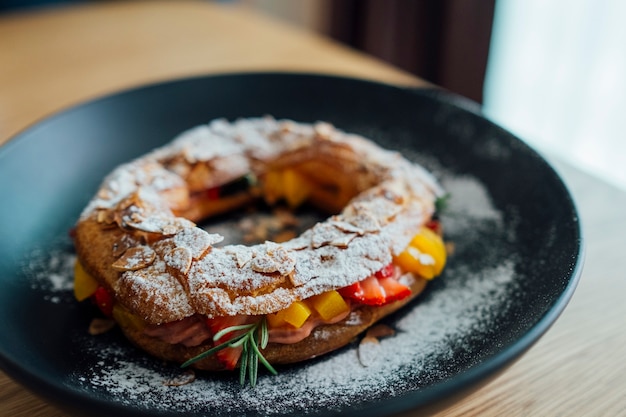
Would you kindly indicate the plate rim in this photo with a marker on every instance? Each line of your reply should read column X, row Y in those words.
column 497, row 362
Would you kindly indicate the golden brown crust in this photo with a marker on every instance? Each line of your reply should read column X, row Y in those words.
column 175, row 270
column 138, row 239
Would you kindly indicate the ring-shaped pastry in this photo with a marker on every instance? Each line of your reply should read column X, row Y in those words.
column 170, row 285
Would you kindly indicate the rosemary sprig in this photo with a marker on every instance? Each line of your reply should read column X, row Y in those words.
column 251, row 355
column 441, row 203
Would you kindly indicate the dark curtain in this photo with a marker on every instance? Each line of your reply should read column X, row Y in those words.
column 443, row 41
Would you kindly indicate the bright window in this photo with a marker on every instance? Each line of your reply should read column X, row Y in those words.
column 557, row 78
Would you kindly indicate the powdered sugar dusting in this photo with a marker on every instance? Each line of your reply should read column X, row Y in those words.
column 447, row 323
column 52, row 271
column 387, row 196
column 435, row 335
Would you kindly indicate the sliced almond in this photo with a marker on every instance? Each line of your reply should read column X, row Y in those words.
column 343, row 241
column 196, row 240
column 370, row 348
column 323, row 234
column 369, row 351
column 379, row 331
column 105, row 216
column 123, row 244
column 179, row 259
column 242, row 254
column 284, row 261
column 347, row 227
column 184, row 378
column 104, row 194
column 100, row 326
column 365, row 221
column 243, row 258
column 264, row 264
column 135, row 258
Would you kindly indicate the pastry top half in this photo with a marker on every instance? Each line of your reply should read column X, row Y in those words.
column 138, row 235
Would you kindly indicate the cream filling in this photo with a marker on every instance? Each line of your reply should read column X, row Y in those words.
column 193, row 332
column 289, row 335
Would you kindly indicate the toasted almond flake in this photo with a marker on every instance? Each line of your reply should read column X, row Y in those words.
column 323, row 130
column 170, row 229
column 123, row 244
column 369, row 349
column 105, row 216
column 379, row 331
column 281, row 257
column 298, row 243
column 323, row 234
column 304, row 272
column 104, row 194
column 100, row 326
column 343, row 241
column 135, row 258
column 347, row 227
column 366, row 221
column 179, row 259
column 264, row 264
column 196, row 240
column 369, row 339
column 243, row 255
column 183, row 378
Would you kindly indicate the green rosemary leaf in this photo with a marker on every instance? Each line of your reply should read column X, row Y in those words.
column 441, row 203
column 242, row 341
column 251, row 354
column 265, row 334
column 253, row 367
column 231, row 329
column 212, row 351
column 263, row 360
column 243, row 364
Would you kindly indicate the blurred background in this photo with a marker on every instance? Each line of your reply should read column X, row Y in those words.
column 553, row 72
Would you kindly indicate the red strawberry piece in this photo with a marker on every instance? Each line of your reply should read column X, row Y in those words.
column 213, row 193
column 218, row 324
column 394, row 290
column 104, row 301
column 372, row 291
column 387, row 272
column 367, row 291
column 354, row 291
column 435, row 226
column 381, row 288
column 229, row 357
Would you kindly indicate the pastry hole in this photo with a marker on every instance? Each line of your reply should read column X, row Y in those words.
column 260, row 222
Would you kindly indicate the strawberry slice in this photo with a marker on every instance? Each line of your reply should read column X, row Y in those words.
column 381, row 288
column 394, row 290
column 354, row 291
column 367, row 291
column 104, row 301
column 435, row 226
column 387, row 271
column 229, row 357
column 372, row 291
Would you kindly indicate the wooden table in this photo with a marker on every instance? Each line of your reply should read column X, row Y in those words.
column 53, row 59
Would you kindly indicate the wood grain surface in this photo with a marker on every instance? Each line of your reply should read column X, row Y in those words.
column 52, row 59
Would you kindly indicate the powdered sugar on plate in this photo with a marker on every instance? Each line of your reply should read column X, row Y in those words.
column 52, row 271
column 435, row 335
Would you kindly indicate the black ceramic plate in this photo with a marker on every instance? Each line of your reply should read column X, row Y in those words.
column 513, row 224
